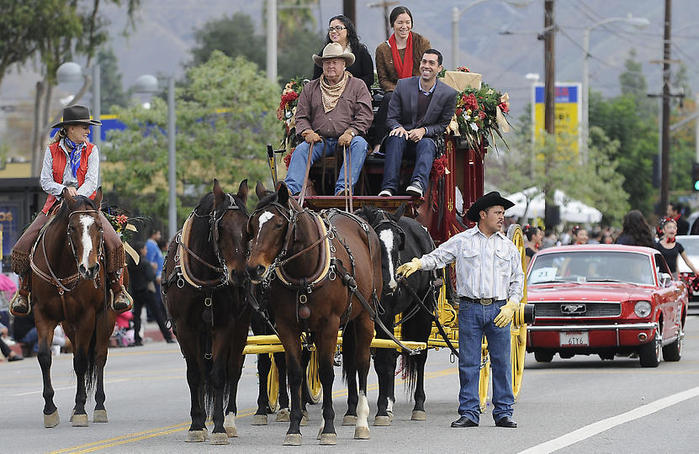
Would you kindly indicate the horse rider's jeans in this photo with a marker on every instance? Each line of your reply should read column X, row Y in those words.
column 297, row 166
column 474, row 321
column 424, row 152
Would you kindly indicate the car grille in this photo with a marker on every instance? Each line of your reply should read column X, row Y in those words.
column 572, row 309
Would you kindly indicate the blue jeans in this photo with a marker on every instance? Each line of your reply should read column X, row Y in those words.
column 424, row 152
column 475, row 320
column 297, row 166
column 31, row 339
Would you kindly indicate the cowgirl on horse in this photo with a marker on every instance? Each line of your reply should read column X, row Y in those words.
column 72, row 163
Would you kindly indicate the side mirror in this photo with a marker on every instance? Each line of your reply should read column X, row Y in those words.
column 664, row 279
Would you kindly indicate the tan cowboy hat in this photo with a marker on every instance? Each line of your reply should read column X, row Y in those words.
column 334, row 50
column 76, row 114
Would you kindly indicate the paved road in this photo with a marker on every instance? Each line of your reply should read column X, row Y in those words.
column 653, row 410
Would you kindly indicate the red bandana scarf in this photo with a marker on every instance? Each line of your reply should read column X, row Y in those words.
column 404, row 67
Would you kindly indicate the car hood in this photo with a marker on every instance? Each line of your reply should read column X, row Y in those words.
column 587, row 292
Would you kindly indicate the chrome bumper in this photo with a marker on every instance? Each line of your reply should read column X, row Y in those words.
column 624, row 326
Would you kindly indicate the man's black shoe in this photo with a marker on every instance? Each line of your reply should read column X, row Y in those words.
column 464, row 422
column 506, row 422
column 170, row 341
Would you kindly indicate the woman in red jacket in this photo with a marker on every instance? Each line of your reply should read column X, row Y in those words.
column 72, row 163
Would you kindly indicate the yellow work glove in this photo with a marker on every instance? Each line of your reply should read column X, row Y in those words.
column 409, row 268
column 310, row 136
column 507, row 313
column 345, row 139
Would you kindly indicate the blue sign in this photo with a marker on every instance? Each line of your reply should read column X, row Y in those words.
column 109, row 123
column 10, row 224
column 564, row 93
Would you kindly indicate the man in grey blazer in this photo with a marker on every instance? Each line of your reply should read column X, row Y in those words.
column 420, row 110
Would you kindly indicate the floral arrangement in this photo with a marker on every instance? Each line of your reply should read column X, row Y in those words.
column 287, row 109
column 120, row 221
column 439, row 167
column 480, row 114
column 463, row 69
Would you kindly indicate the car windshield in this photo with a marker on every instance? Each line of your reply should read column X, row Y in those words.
column 690, row 244
column 592, row 266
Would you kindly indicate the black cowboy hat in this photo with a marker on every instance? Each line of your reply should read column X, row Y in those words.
column 76, row 115
column 483, row 203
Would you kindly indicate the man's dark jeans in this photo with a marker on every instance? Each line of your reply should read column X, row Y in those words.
column 424, row 152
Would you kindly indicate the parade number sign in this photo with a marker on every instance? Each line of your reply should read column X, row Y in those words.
column 568, row 111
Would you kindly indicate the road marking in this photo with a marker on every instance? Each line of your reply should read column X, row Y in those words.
column 601, row 426
column 167, row 430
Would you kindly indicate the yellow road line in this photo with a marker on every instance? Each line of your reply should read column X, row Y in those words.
column 167, row 430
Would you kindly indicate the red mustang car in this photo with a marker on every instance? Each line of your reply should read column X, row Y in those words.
column 607, row 300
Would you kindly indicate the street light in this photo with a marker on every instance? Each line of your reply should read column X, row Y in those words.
column 456, row 16
column 149, row 84
column 638, row 22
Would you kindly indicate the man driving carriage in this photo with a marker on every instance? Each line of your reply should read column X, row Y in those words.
column 72, row 163
column 333, row 111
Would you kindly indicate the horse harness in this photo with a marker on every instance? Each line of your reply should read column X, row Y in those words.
column 330, row 266
column 182, row 275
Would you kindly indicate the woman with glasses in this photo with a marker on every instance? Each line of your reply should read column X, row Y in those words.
column 397, row 58
column 342, row 31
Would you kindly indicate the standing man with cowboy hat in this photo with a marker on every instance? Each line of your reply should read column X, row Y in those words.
column 490, row 284
column 334, row 109
column 72, row 163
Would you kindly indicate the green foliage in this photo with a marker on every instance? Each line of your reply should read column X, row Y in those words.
column 294, row 56
column 111, row 87
column 225, row 116
column 18, row 25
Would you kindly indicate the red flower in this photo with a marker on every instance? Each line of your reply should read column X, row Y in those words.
column 504, row 107
column 481, row 115
column 470, row 102
column 122, row 219
column 459, row 111
column 463, row 69
column 287, row 159
column 439, row 167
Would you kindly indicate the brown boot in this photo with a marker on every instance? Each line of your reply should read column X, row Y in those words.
column 121, row 300
column 19, row 305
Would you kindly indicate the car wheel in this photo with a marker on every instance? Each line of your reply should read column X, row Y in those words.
column 649, row 354
column 543, row 357
column 673, row 351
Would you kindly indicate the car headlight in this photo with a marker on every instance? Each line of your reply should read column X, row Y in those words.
column 642, row 309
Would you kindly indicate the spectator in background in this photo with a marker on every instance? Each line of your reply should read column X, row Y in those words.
column 579, row 235
column 7, row 352
column 532, row 241
column 674, row 211
column 142, row 277
column 672, row 249
column 606, row 238
column 549, row 240
column 24, row 332
column 155, row 257
column 635, row 231
column 595, row 237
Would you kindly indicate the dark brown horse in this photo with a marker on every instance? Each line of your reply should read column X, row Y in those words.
column 322, row 271
column 205, row 291
column 68, row 287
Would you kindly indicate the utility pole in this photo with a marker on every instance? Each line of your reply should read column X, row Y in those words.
column 349, row 9
column 384, row 4
column 272, row 40
column 549, row 105
column 665, row 153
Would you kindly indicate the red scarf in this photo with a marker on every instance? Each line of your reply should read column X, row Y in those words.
column 404, row 67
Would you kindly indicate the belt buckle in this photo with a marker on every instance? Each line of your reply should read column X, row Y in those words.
column 486, row 301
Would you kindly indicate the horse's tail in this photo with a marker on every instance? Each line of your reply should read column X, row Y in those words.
column 91, row 371
column 418, row 329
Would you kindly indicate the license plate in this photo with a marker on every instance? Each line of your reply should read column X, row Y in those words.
column 575, row 339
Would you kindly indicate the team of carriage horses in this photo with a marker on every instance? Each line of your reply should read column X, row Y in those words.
column 306, row 281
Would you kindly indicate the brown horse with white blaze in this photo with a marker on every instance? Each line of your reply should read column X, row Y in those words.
column 323, row 271
column 69, row 287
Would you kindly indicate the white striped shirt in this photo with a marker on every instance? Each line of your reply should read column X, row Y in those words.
column 486, row 267
column 56, row 188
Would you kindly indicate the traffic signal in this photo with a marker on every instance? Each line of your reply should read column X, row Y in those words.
column 695, row 176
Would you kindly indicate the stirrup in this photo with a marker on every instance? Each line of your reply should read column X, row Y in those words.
column 14, row 299
column 127, row 297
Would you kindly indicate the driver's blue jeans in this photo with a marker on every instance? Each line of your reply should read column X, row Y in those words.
column 297, row 166
column 475, row 320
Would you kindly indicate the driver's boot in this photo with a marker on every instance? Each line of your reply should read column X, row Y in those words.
column 121, row 301
column 19, row 305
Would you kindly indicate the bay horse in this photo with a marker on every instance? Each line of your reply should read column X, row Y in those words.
column 204, row 288
column 415, row 298
column 322, row 270
column 69, row 286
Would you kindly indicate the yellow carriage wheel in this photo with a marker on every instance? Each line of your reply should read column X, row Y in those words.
column 315, row 388
column 273, row 385
column 484, row 380
column 518, row 330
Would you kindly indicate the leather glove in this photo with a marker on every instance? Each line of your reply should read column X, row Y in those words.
column 345, row 139
column 507, row 313
column 310, row 136
column 409, row 268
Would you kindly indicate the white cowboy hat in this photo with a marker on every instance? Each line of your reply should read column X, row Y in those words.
column 334, row 50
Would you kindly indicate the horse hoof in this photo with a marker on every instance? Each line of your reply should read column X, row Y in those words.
column 220, row 438
column 382, row 421
column 229, row 425
column 231, row 432
column 361, row 433
column 79, row 420
column 282, row 415
column 51, row 420
column 390, row 415
column 259, row 420
column 349, row 420
column 304, row 418
column 419, row 415
column 100, row 416
column 328, row 439
column 292, row 440
column 196, row 436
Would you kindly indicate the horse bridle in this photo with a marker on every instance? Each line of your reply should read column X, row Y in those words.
column 214, row 223
column 100, row 251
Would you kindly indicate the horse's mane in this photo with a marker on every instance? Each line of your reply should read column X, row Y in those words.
column 65, row 210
